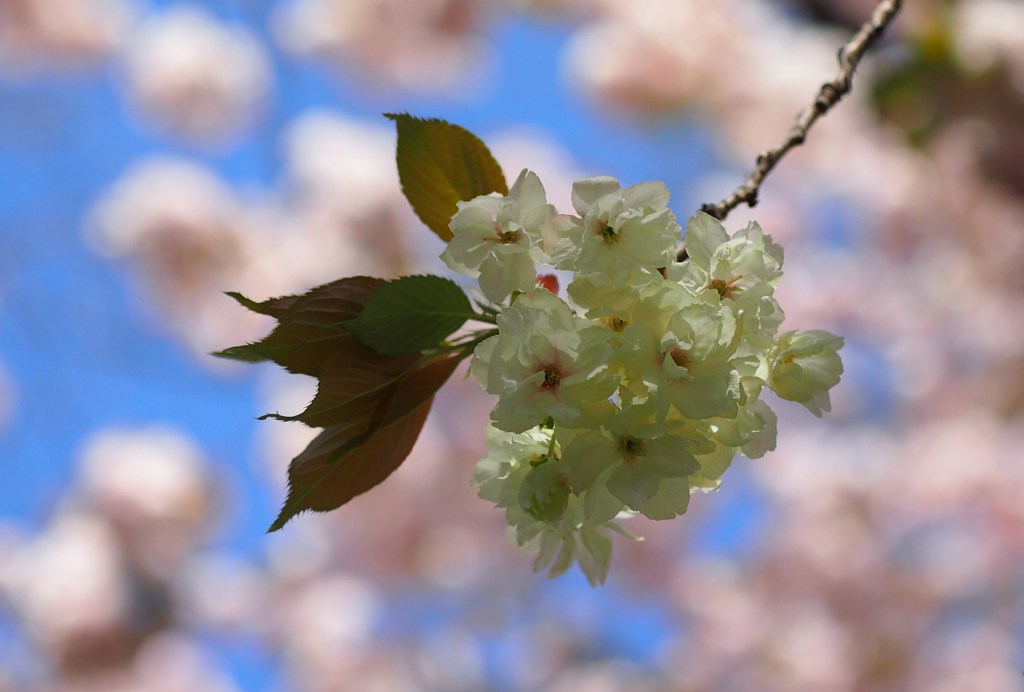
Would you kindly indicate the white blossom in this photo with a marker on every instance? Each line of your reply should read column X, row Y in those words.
column 497, row 238
column 803, row 366
column 542, row 366
column 617, row 230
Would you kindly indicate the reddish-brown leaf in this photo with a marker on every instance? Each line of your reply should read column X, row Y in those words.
column 349, row 458
column 311, row 329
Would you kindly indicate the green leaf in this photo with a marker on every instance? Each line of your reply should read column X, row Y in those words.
column 347, row 459
column 439, row 165
column 411, row 314
column 311, row 328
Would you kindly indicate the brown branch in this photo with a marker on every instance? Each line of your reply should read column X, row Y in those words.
column 828, row 96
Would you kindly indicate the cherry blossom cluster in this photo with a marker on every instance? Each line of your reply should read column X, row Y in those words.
column 644, row 382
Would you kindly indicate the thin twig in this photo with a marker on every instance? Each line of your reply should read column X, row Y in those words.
column 828, row 96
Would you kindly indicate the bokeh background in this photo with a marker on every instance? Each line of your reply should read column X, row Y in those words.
column 154, row 154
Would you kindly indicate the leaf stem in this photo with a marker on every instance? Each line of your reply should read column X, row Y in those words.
column 465, row 345
column 483, row 317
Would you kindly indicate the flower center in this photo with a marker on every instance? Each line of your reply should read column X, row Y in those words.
column 509, row 237
column 608, row 234
column 505, row 237
column 726, row 289
column 680, row 357
column 551, row 378
column 631, row 448
column 616, row 324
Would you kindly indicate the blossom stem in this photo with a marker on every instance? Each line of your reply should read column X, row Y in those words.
column 551, row 442
column 828, row 96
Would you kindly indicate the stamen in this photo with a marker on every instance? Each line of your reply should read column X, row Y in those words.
column 551, row 378
column 680, row 357
column 631, row 448
column 509, row 237
column 616, row 324
column 726, row 289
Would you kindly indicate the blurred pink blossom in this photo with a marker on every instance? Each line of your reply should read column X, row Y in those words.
column 153, row 487
column 191, row 237
column 194, row 76
column 60, row 35
column 68, row 588
column 427, row 45
column 987, row 32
